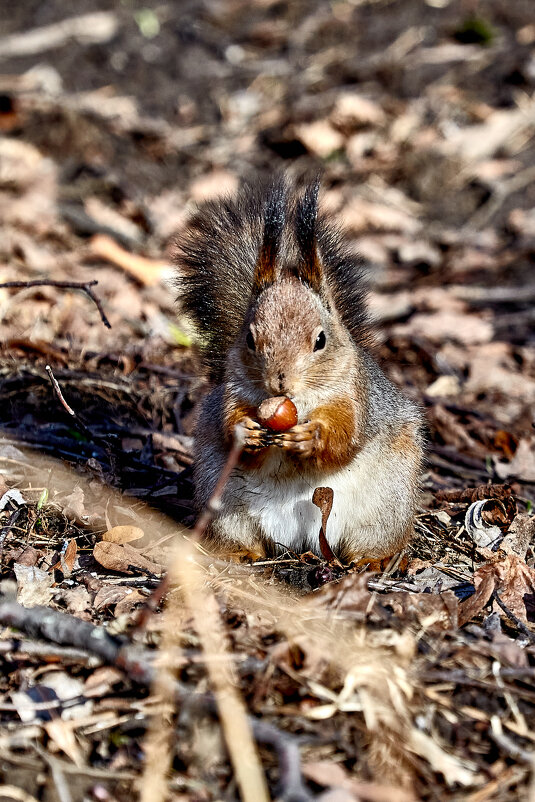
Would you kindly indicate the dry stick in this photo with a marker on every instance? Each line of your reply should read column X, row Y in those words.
column 85, row 286
column 526, row 631
column 210, row 511
column 137, row 663
column 204, row 608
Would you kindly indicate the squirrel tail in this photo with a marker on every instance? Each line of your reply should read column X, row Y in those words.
column 234, row 248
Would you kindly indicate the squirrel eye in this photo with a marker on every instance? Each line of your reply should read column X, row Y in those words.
column 320, row 341
column 250, row 341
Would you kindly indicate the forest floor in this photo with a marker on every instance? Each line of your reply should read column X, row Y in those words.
column 411, row 681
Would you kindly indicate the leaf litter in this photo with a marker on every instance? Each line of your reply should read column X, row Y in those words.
column 409, row 679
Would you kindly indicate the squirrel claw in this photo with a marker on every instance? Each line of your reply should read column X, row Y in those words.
column 301, row 439
column 254, row 436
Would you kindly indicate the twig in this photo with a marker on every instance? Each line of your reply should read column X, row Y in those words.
column 15, row 515
column 210, row 511
column 509, row 613
column 137, row 663
column 58, row 392
column 108, row 447
column 291, row 786
column 84, row 286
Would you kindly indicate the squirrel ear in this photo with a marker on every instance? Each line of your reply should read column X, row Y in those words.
column 306, row 214
column 274, row 220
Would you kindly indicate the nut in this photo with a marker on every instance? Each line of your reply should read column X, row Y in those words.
column 278, row 414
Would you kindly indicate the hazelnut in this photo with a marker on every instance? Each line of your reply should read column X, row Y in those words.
column 278, row 414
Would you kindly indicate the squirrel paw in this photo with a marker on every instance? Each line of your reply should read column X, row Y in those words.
column 254, row 436
column 301, row 439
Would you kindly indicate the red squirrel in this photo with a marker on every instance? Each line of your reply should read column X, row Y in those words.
column 277, row 301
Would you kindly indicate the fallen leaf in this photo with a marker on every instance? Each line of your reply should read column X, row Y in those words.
column 121, row 598
column 484, row 533
column 147, row 271
column 522, row 466
column 34, row 586
column 361, row 215
column 77, row 600
column 213, row 185
column 73, row 504
column 485, row 584
column 463, row 328
column 512, row 579
column 68, row 556
column 521, row 533
column 353, row 111
column 12, row 496
column 320, row 138
column 328, row 774
column 323, row 499
column 123, row 558
column 123, row 534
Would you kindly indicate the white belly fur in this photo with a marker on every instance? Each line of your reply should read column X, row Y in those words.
column 366, row 504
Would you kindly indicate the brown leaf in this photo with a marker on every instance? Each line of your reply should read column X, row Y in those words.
column 323, row 499
column 521, row 533
column 68, row 556
column 471, row 494
column 350, row 595
column 485, row 583
column 523, row 463
column 509, row 576
column 123, row 558
column 435, row 612
column 123, row 534
column 147, row 271
column 34, row 586
column 516, row 586
column 328, row 774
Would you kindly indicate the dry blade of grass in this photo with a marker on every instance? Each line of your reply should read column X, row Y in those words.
column 201, row 602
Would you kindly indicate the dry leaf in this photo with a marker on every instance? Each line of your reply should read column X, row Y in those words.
column 73, row 504
column 123, row 599
column 361, row 215
column 355, row 111
column 323, row 499
column 320, row 138
column 124, row 558
column 522, row 466
column 483, row 533
column 326, row 773
column 485, row 584
column 68, row 556
column 521, row 533
column 147, row 271
column 123, row 534
column 34, row 586
column 441, row 325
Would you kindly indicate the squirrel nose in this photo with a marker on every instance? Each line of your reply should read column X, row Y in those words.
column 276, row 384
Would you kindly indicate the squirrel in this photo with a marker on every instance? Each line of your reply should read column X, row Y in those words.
column 277, row 301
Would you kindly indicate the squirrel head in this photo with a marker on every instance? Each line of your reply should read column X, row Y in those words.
column 263, row 279
column 292, row 344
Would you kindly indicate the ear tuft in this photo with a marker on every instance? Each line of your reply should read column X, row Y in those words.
column 275, row 212
column 306, row 215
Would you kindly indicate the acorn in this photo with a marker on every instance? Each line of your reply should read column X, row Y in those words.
column 278, row 414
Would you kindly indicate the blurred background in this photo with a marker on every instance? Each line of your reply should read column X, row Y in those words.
column 117, row 117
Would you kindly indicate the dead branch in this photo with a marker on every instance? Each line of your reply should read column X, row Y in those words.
column 212, row 508
column 84, row 286
column 526, row 632
column 137, row 663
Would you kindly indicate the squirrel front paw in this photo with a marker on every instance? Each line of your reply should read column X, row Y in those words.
column 254, row 435
column 302, row 439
